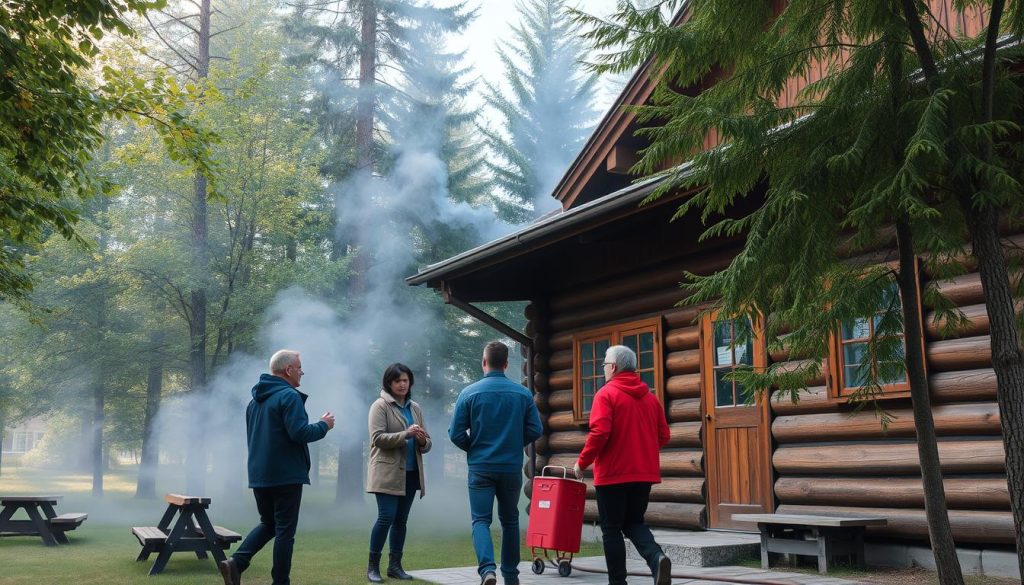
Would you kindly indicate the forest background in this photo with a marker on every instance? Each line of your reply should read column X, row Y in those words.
column 264, row 175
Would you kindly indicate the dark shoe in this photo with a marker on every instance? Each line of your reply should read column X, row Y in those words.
column 395, row 570
column 229, row 570
column 489, row 579
column 511, row 581
column 663, row 574
column 373, row 569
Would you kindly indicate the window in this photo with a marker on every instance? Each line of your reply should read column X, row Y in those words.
column 852, row 366
column 643, row 337
column 732, row 344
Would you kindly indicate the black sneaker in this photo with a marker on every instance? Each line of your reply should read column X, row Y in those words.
column 663, row 576
column 489, row 579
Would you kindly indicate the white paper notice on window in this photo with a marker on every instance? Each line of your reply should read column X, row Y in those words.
column 724, row 355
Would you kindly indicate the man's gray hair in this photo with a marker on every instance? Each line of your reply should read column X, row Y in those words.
column 281, row 359
column 623, row 358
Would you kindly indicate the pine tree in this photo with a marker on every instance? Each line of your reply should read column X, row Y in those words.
column 547, row 112
column 910, row 126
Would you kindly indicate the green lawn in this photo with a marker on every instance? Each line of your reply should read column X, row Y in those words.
column 331, row 546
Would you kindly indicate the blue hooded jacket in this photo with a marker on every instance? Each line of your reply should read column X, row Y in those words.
column 278, row 431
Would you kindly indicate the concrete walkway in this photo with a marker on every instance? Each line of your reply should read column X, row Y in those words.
column 682, row 575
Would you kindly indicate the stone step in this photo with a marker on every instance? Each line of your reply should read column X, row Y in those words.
column 710, row 548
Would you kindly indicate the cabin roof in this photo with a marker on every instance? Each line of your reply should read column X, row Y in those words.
column 495, row 271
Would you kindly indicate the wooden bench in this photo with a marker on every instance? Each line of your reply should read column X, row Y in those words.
column 822, row 536
column 65, row 522
column 224, row 536
column 184, row 527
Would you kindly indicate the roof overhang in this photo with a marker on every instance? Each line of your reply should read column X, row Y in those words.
column 485, row 273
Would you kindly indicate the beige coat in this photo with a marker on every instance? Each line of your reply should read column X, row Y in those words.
column 388, row 435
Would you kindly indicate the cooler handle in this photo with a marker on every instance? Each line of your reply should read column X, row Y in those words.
column 565, row 471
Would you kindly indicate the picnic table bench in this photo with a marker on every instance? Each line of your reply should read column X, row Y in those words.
column 821, row 536
column 192, row 532
column 43, row 521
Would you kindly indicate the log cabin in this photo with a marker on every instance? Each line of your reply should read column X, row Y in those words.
column 605, row 270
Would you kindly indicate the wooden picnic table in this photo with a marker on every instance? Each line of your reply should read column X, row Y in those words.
column 811, row 535
column 191, row 532
column 43, row 521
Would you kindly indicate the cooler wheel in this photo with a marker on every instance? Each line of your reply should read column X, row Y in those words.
column 564, row 568
column 538, row 566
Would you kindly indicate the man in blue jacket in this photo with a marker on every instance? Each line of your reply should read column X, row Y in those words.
column 278, row 432
column 493, row 420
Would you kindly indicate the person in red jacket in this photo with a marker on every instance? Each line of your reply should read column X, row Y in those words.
column 627, row 430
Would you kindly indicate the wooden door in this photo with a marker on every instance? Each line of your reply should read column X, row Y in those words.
column 736, row 434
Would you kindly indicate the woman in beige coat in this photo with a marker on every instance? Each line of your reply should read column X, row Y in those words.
column 398, row 440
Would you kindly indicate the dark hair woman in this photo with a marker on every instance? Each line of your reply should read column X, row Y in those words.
column 398, row 441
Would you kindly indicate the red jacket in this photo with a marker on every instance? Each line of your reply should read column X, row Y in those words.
column 627, row 430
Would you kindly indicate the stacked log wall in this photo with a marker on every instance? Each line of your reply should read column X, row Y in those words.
column 830, row 459
column 680, row 500
column 826, row 457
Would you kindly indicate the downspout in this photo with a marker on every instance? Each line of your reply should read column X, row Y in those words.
column 448, row 294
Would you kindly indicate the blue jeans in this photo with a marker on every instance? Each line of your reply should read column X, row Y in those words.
column 484, row 487
column 392, row 514
column 279, row 517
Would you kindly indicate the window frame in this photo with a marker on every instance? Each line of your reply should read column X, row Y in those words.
column 614, row 334
column 836, row 384
column 759, row 357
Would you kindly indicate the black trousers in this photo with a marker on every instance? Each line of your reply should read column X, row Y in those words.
column 279, row 517
column 621, row 508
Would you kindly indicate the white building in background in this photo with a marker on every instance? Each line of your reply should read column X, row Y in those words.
column 24, row 437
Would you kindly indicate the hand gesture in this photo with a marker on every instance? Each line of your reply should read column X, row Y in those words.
column 328, row 418
column 419, row 433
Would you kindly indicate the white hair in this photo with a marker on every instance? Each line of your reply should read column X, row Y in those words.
column 623, row 358
column 281, row 359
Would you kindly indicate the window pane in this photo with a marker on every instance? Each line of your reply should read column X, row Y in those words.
column 741, row 395
column 648, row 378
column 630, row 342
column 854, row 376
column 586, row 351
column 600, row 347
column 854, row 353
column 599, row 381
column 723, row 389
column 723, row 333
column 646, row 342
column 646, row 360
column 588, row 402
column 745, row 354
column 588, row 388
column 856, row 329
column 587, row 370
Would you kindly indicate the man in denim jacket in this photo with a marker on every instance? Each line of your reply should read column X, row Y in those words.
column 493, row 420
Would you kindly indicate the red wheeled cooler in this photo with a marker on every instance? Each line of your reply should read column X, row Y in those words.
column 556, row 519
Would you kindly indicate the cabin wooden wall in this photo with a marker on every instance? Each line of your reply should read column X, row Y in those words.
column 679, row 501
column 826, row 459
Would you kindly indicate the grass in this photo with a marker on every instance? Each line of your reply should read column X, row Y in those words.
column 330, row 548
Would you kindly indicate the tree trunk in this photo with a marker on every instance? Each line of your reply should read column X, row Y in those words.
column 146, row 486
column 348, row 491
column 314, row 464
column 1007, row 356
column 197, row 452
column 939, row 532
column 97, row 438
